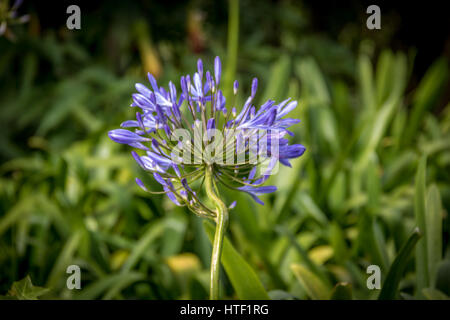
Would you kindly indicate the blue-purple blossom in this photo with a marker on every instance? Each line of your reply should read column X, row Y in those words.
column 178, row 166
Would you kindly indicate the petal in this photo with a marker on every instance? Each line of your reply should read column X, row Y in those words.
column 254, row 191
column 291, row 106
column 198, row 85
column 292, row 151
column 171, row 196
column 254, row 86
column 162, row 101
column 125, row 137
column 235, row 86
column 200, row 67
column 176, row 169
column 159, row 179
column 217, row 70
column 143, row 90
column 153, row 82
column 141, row 184
column 173, row 92
column 129, row 124
column 138, row 159
column 138, row 145
column 142, row 102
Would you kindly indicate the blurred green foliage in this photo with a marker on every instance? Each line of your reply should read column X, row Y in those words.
column 377, row 166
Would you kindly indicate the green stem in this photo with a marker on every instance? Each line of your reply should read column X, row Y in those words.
column 221, row 225
column 232, row 43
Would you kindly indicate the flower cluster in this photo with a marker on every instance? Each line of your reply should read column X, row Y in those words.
column 237, row 150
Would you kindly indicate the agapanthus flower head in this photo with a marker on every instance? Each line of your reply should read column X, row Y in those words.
column 194, row 133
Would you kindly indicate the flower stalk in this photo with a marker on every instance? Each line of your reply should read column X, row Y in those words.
column 221, row 226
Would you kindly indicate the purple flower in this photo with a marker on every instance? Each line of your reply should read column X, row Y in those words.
column 217, row 69
column 255, row 191
column 125, row 136
column 179, row 165
column 235, row 86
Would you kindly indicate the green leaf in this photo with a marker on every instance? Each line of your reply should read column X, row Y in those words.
column 373, row 184
column 371, row 239
column 153, row 232
column 337, row 241
column 400, row 76
column 305, row 201
column 380, row 243
column 242, row 277
column 174, row 233
column 65, row 258
column 248, row 217
column 17, row 213
column 280, row 295
column 434, row 232
column 232, row 44
column 313, row 81
column 111, row 283
column 122, row 283
column 342, row 291
column 390, row 285
column 384, row 75
column 310, row 264
column 377, row 126
column 419, row 211
column 279, row 78
column 365, row 73
column 25, row 290
column 377, row 121
column 426, row 96
column 314, row 287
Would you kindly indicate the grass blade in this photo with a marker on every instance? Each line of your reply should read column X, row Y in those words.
column 232, row 43
column 279, row 79
column 366, row 83
column 112, row 282
column 434, row 232
column 390, row 286
column 65, row 259
column 149, row 236
column 314, row 287
column 419, row 211
column 434, row 81
column 383, row 75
